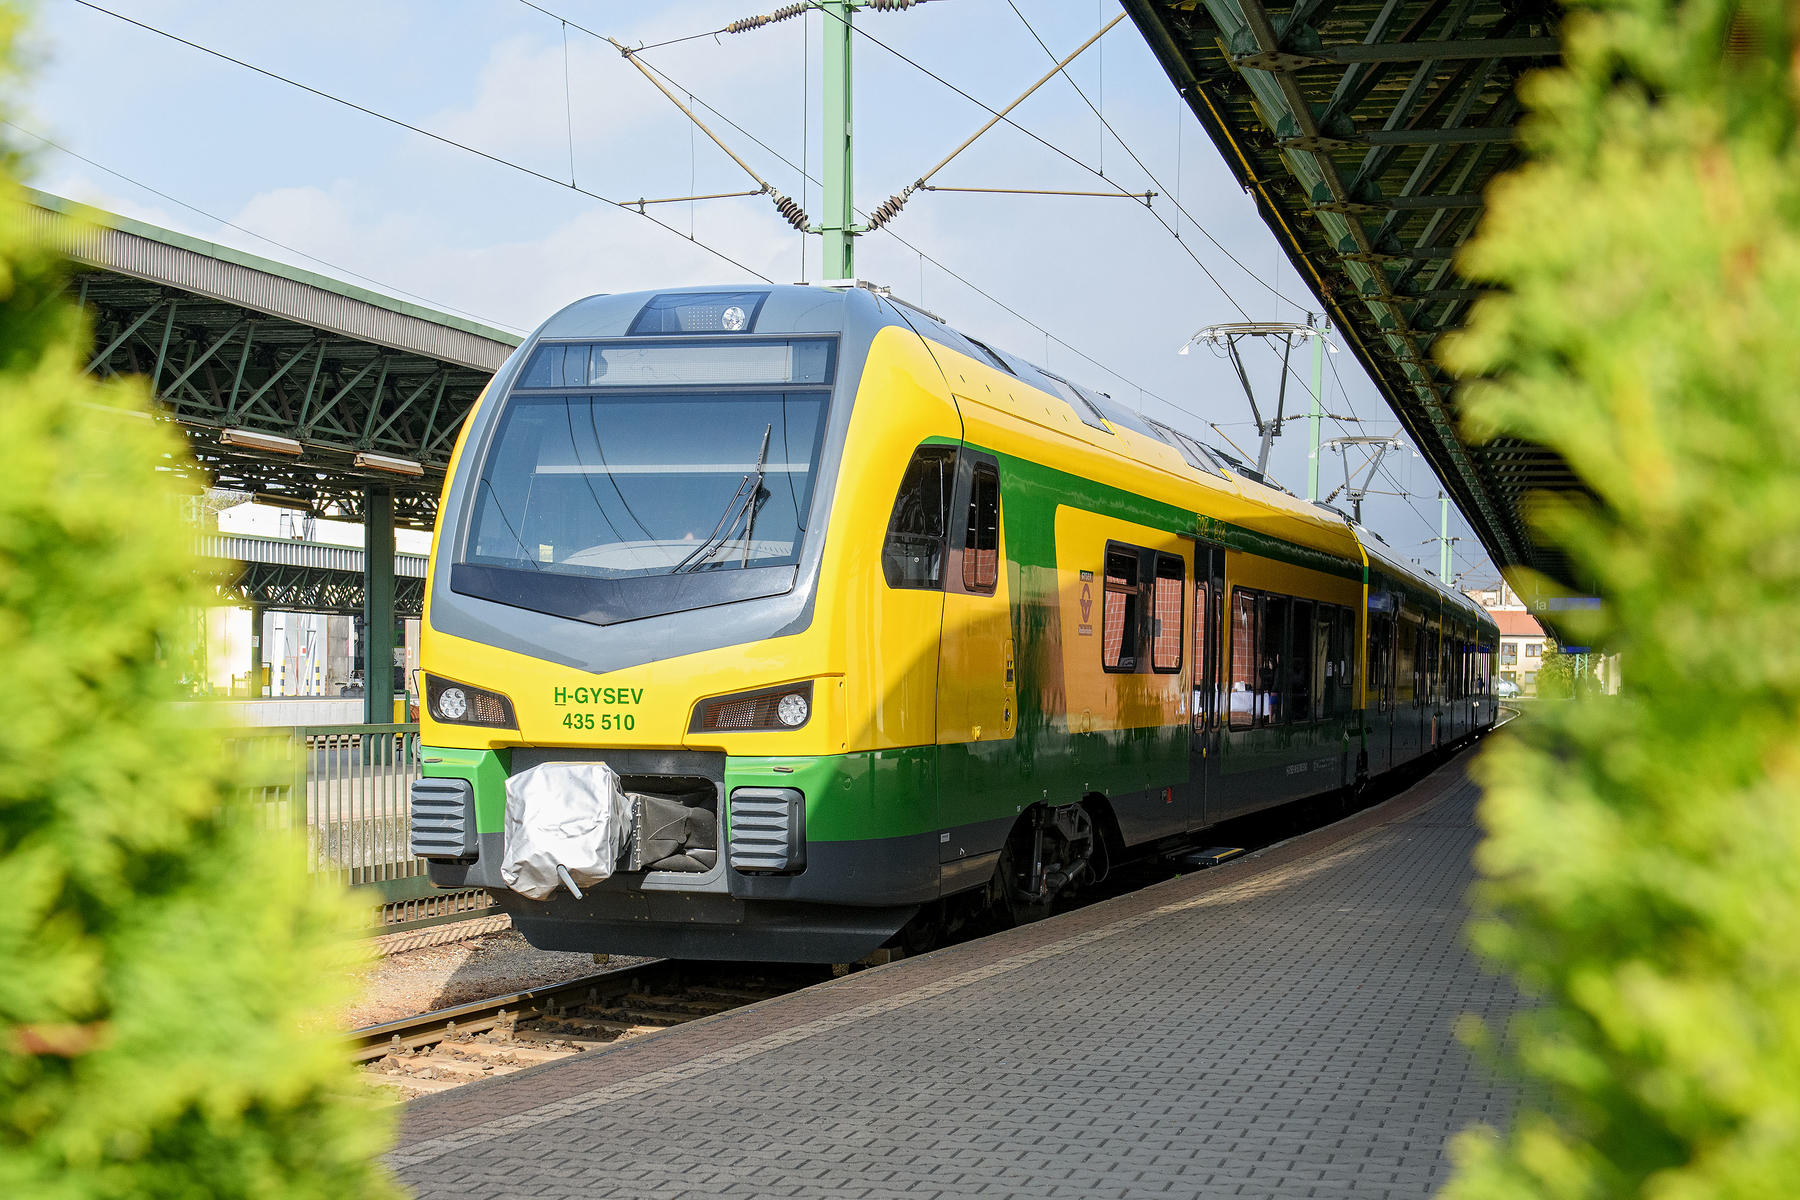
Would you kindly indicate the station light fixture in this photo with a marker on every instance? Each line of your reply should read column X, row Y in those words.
column 277, row 500
column 392, row 464
column 253, row 439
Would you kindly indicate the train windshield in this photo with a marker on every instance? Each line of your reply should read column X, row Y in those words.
column 657, row 462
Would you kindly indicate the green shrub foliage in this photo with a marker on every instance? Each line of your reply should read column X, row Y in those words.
column 1642, row 862
column 168, row 983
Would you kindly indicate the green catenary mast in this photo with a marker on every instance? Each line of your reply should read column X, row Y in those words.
column 837, row 222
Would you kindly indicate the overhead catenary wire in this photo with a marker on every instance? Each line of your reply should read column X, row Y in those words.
column 894, row 203
column 1173, row 197
column 421, row 131
column 789, row 210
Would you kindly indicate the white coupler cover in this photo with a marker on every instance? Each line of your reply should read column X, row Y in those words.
column 570, row 814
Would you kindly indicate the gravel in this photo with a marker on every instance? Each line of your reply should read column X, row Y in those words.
column 417, row 980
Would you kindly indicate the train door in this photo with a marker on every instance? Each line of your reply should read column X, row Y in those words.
column 980, row 781
column 1204, row 666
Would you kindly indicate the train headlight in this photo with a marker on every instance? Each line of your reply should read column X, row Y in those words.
column 786, row 706
column 463, row 704
column 793, row 709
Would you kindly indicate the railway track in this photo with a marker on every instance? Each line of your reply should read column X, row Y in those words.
column 444, row 1049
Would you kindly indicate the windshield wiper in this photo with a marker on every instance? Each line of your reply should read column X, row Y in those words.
column 746, row 500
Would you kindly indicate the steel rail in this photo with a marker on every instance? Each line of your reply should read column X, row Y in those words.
column 376, row 1041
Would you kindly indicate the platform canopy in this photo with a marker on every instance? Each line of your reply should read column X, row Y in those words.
column 299, row 389
column 1367, row 131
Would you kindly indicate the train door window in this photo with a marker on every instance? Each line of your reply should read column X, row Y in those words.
column 981, row 545
column 1445, row 642
column 1381, row 661
column 1406, row 658
column 1120, row 614
column 1324, row 673
column 1434, row 664
column 1272, row 669
column 1165, row 615
column 1242, row 699
column 1202, row 646
column 1299, row 685
column 913, row 555
column 1343, row 635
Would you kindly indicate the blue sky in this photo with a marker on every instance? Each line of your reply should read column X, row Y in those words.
column 1097, row 287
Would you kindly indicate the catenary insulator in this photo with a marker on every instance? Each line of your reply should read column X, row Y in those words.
column 791, row 211
column 891, row 5
column 887, row 210
column 783, row 13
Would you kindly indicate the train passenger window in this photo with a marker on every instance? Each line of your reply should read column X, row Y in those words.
column 1324, row 673
column 1273, row 659
column 913, row 555
column 1242, row 699
column 981, row 547
column 1120, row 614
column 1165, row 615
column 1300, row 664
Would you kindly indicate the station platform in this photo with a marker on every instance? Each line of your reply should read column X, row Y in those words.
column 1280, row 1026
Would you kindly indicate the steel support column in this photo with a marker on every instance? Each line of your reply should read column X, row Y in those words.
column 253, row 685
column 378, row 604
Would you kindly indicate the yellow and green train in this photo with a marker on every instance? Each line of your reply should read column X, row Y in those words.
column 880, row 627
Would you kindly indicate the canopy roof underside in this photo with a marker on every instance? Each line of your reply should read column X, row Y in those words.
column 1368, row 131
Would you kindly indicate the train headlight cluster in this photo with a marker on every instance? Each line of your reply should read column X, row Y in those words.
column 463, row 704
column 788, row 706
column 793, row 709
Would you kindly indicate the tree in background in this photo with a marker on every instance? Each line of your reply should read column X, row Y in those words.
column 1556, row 673
column 168, row 985
column 1642, row 863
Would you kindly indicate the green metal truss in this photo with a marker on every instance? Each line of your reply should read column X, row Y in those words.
column 280, row 588
column 218, row 365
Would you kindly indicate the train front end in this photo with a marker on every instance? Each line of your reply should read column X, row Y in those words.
column 638, row 692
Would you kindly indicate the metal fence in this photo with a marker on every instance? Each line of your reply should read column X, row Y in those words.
column 346, row 787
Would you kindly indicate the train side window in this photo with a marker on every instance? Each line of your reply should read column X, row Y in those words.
column 1242, row 699
column 1120, row 612
column 1165, row 614
column 981, row 546
column 1202, row 643
column 913, row 555
column 1273, row 665
column 1300, row 663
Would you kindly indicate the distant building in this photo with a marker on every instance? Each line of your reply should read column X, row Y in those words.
column 1522, row 642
